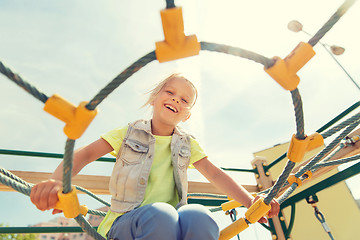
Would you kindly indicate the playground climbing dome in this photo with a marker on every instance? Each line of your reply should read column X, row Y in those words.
column 177, row 45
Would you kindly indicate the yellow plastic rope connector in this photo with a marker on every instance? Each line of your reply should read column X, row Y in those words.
column 176, row 45
column 226, row 206
column 298, row 147
column 308, row 174
column 292, row 179
column 284, row 71
column 233, row 229
column 77, row 119
column 69, row 204
column 257, row 210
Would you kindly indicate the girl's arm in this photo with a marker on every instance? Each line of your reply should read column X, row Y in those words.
column 228, row 186
column 44, row 194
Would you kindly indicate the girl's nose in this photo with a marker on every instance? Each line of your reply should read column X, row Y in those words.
column 175, row 100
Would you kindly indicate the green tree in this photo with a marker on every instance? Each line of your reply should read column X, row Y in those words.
column 17, row 236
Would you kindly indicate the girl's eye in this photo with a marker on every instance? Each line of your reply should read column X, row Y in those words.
column 184, row 100
column 169, row 92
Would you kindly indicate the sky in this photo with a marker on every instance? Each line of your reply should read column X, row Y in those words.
column 74, row 48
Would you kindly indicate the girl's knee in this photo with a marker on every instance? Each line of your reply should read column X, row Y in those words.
column 161, row 214
column 196, row 220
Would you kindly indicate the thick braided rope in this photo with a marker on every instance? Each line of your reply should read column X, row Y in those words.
column 317, row 158
column 68, row 164
column 327, row 149
column 22, row 83
column 22, row 188
column 341, row 125
column 18, row 184
column 239, row 52
column 85, row 225
column 300, row 135
column 317, row 166
column 92, row 195
column 335, row 162
column 14, row 177
column 331, row 22
column 133, row 68
column 170, row 4
column 279, row 182
column 299, row 115
column 333, row 152
column 97, row 212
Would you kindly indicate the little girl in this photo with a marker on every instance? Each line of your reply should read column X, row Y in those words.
column 149, row 180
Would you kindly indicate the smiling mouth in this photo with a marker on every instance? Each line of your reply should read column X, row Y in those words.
column 171, row 108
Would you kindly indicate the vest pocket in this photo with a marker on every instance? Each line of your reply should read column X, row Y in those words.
column 134, row 152
column 184, row 157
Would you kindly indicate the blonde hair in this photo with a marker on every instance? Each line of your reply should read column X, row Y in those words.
column 155, row 91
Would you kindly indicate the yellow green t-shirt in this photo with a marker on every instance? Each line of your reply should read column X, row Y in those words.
column 161, row 184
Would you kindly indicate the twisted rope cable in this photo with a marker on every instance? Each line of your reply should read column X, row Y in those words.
column 92, row 195
column 67, row 165
column 22, row 83
column 239, row 52
column 14, row 177
column 170, row 4
column 334, row 152
column 85, row 225
column 96, row 212
column 279, row 182
column 326, row 150
column 335, row 162
column 341, row 125
column 299, row 115
column 331, row 22
column 22, row 188
column 133, row 68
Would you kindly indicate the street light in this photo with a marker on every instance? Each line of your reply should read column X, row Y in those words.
column 296, row 26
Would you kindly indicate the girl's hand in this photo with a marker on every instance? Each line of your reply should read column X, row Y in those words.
column 274, row 211
column 44, row 195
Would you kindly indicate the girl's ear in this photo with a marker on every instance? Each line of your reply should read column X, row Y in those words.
column 187, row 117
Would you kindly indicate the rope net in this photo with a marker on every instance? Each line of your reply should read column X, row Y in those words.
column 22, row 186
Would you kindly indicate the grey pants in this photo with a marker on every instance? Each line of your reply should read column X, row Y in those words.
column 161, row 221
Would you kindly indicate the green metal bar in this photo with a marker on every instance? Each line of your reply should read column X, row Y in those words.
column 207, row 202
column 45, row 155
column 328, row 182
column 338, row 117
column 292, row 220
column 59, row 229
column 239, row 170
column 276, row 161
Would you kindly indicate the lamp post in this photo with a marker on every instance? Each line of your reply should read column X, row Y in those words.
column 296, row 26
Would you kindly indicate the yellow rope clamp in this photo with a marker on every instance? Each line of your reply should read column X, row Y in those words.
column 77, row 119
column 308, row 174
column 256, row 211
column 292, row 179
column 298, row 147
column 233, row 229
column 284, row 71
column 69, row 204
column 176, row 45
column 226, row 206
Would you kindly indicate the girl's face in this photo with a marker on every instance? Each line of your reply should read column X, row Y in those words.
column 174, row 101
